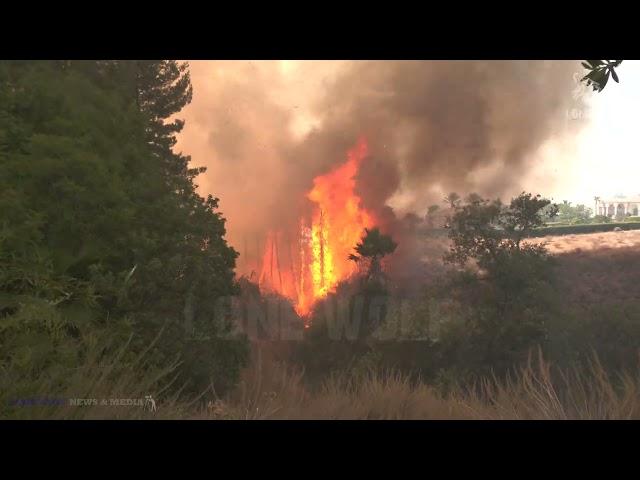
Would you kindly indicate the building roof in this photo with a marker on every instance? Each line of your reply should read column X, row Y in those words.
column 630, row 199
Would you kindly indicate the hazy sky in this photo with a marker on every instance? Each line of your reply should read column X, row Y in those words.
column 605, row 159
column 609, row 147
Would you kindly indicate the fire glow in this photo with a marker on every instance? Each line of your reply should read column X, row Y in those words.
column 312, row 267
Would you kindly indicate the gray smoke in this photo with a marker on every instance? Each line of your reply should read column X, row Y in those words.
column 440, row 123
column 432, row 127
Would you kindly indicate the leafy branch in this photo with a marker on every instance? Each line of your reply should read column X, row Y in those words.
column 599, row 72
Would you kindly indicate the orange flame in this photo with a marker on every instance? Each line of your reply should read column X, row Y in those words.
column 337, row 224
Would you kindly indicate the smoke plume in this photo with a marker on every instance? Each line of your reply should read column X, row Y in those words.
column 266, row 129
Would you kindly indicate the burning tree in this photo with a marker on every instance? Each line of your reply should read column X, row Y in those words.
column 309, row 269
column 373, row 246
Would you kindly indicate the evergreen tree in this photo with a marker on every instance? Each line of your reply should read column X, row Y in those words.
column 100, row 223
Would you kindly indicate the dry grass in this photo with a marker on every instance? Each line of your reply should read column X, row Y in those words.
column 535, row 393
column 98, row 378
column 271, row 390
column 539, row 393
column 374, row 396
column 598, row 268
column 587, row 242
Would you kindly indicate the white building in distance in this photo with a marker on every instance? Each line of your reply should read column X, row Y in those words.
column 617, row 206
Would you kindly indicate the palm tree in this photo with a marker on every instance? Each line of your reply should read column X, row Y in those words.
column 373, row 246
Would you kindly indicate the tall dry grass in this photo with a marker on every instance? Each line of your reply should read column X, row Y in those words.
column 536, row 392
column 270, row 389
column 539, row 392
column 99, row 377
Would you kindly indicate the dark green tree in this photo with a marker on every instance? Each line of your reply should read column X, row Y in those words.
column 480, row 229
column 599, row 73
column 66, row 207
column 373, row 246
column 192, row 247
column 525, row 213
column 163, row 89
column 510, row 295
column 100, row 221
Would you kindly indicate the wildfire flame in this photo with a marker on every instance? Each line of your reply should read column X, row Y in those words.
column 337, row 223
column 320, row 261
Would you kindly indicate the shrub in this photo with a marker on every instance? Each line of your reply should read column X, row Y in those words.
column 512, row 296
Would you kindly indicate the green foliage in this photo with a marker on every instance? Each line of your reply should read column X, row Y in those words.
column 482, row 230
column 373, row 246
column 524, row 214
column 470, row 323
column 475, row 230
column 610, row 331
column 108, row 368
column 100, row 224
column 603, row 219
column 568, row 214
column 511, row 296
column 599, row 72
column 478, row 323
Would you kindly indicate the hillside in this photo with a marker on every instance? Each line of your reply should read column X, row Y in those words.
column 599, row 268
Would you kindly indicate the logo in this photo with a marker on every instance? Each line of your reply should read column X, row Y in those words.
column 581, row 89
column 579, row 111
column 149, row 403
